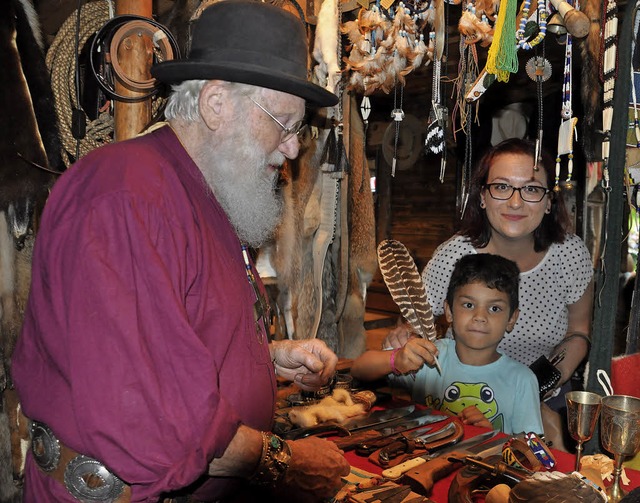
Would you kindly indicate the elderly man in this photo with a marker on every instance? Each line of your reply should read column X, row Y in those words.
column 144, row 360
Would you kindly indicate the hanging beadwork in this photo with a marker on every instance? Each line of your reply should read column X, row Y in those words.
column 521, row 36
column 567, row 131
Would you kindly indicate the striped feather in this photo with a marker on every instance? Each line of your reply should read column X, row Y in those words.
column 406, row 287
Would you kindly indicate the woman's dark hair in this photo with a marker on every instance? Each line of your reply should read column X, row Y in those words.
column 475, row 224
column 493, row 271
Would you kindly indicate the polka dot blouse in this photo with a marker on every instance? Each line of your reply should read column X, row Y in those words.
column 545, row 291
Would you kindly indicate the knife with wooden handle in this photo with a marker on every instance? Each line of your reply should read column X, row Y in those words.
column 422, row 478
column 397, row 471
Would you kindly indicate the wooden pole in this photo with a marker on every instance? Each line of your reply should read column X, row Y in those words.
column 134, row 53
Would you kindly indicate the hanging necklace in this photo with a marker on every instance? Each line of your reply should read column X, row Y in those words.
column 521, row 36
column 567, row 130
column 398, row 115
column 261, row 309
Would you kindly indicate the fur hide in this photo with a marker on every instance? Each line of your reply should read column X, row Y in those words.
column 344, row 282
column 591, row 86
column 29, row 142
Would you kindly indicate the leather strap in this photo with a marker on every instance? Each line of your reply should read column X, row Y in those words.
column 66, row 456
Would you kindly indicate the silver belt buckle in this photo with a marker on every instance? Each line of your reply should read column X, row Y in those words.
column 88, row 480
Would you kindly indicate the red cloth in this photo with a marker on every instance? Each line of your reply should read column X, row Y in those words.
column 625, row 374
column 139, row 346
column 565, row 463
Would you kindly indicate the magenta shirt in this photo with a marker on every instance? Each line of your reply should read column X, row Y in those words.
column 139, row 346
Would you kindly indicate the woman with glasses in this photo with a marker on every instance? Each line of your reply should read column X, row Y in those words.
column 513, row 211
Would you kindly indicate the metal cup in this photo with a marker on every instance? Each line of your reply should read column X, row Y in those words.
column 620, row 434
column 583, row 408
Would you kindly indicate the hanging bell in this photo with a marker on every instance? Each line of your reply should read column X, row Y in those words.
column 555, row 25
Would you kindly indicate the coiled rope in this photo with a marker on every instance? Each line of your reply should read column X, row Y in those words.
column 61, row 62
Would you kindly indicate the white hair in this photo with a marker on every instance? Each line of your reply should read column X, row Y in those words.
column 183, row 102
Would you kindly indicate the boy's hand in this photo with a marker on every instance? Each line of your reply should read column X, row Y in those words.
column 398, row 337
column 415, row 353
column 472, row 415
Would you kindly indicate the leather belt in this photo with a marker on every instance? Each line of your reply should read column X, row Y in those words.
column 86, row 479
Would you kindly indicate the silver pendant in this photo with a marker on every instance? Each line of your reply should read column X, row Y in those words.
column 538, row 67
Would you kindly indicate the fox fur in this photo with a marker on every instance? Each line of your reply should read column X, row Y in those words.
column 29, row 142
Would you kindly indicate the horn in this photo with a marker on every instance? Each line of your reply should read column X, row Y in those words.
column 576, row 22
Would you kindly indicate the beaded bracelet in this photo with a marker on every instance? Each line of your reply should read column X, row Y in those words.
column 393, row 362
column 274, row 461
column 541, row 451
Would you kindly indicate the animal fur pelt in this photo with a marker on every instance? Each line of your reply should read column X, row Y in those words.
column 336, row 408
column 325, row 47
column 591, row 86
column 29, row 145
column 342, row 305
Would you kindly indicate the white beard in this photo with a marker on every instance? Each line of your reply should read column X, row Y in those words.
column 238, row 173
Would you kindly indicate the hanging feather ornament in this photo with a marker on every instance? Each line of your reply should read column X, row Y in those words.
column 406, row 288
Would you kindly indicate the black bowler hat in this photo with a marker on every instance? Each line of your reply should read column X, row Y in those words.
column 250, row 42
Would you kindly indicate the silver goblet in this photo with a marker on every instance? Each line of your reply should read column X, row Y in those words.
column 620, row 435
column 583, row 408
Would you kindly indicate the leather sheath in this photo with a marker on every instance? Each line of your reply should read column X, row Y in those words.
column 417, row 449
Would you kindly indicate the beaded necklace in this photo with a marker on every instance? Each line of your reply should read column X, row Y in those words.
column 261, row 309
column 567, row 130
column 520, row 33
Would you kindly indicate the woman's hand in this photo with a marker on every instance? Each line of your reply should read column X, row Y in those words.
column 309, row 362
column 314, row 472
column 472, row 415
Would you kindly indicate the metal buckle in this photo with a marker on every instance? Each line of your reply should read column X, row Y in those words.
column 88, row 480
column 44, row 446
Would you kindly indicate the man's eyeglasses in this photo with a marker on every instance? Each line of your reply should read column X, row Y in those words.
column 528, row 193
column 287, row 132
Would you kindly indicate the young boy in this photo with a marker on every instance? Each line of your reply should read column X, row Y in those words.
column 480, row 385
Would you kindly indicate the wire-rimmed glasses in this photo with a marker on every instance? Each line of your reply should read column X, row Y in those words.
column 528, row 193
column 287, row 132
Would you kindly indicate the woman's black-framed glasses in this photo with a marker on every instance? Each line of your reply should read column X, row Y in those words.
column 295, row 129
column 528, row 193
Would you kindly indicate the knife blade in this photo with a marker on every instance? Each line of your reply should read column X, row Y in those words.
column 464, row 446
column 402, row 445
column 371, row 420
column 367, row 441
column 377, row 418
column 391, row 495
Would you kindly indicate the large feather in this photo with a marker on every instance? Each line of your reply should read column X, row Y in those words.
column 406, row 287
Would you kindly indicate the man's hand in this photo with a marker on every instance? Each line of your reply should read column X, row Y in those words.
column 309, row 362
column 472, row 415
column 314, row 471
column 415, row 353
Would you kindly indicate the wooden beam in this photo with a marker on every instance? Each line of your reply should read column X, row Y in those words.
column 135, row 56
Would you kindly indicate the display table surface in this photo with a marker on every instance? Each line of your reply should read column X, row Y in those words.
column 565, row 463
